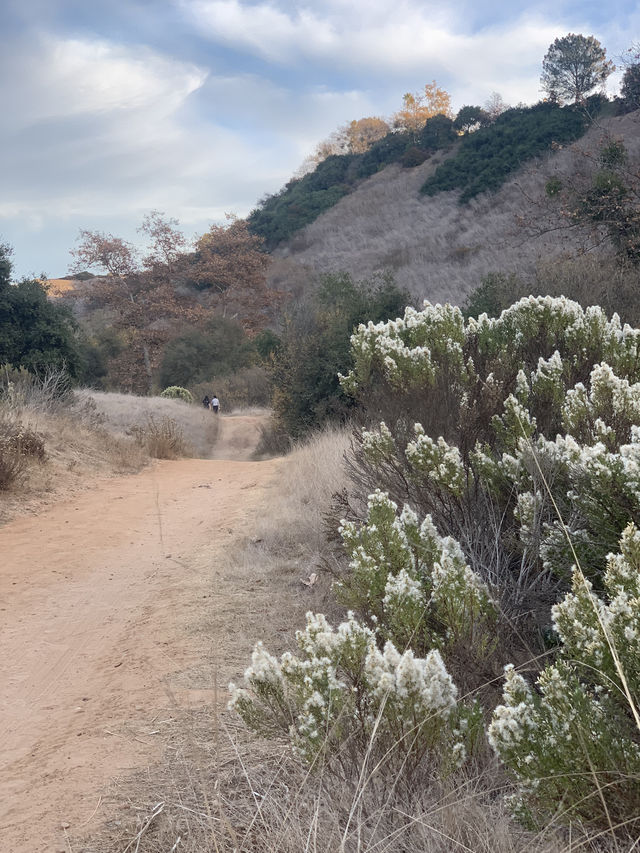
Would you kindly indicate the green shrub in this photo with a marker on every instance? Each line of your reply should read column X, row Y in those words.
column 218, row 348
column 413, row 157
column 573, row 743
column 341, row 698
column 487, row 158
column 414, row 586
column 35, row 333
column 547, row 391
column 315, row 347
column 176, row 392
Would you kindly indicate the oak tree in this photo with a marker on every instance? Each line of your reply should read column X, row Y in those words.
column 166, row 241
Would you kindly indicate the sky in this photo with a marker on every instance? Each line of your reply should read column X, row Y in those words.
column 197, row 108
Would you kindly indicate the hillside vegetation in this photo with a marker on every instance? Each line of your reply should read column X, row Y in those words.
column 481, row 161
column 439, row 249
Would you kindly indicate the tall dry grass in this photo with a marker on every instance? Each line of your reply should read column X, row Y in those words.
column 437, row 249
column 124, row 414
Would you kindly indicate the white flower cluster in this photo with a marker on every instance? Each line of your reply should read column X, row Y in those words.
column 408, row 576
column 591, row 628
column 418, row 687
column 341, row 685
column 378, row 444
column 514, row 721
column 611, row 400
column 406, row 350
column 437, row 460
column 579, row 722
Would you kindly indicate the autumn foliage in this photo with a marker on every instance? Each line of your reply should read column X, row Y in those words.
column 419, row 106
column 145, row 304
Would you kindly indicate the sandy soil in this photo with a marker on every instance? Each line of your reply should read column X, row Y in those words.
column 96, row 598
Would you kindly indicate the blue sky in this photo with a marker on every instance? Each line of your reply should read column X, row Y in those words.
column 113, row 108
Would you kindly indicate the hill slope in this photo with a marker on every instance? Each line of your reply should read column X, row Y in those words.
column 434, row 246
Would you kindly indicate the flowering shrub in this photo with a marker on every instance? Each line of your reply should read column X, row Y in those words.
column 547, row 395
column 413, row 585
column 177, row 392
column 573, row 744
column 342, row 696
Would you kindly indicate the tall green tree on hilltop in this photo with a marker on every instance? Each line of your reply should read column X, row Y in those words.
column 574, row 66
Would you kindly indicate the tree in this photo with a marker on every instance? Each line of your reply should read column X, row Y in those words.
column 470, row 119
column 34, row 333
column 166, row 241
column 361, row 134
column 144, row 308
column 5, row 265
column 574, row 66
column 630, row 90
column 494, row 106
column 420, row 106
column 230, row 265
column 110, row 255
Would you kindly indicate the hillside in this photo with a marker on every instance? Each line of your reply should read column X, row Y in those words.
column 437, row 248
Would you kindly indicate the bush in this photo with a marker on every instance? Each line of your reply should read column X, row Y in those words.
column 35, row 333
column 274, row 440
column 315, row 347
column 467, row 409
column 218, row 348
column 413, row 157
column 416, row 588
column 176, row 392
column 162, row 439
column 342, row 698
column 487, row 157
column 575, row 740
column 18, row 444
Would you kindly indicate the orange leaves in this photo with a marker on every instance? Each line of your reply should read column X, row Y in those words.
column 419, row 107
column 361, row 134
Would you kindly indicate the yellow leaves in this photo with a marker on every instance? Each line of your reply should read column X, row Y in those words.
column 361, row 134
column 420, row 106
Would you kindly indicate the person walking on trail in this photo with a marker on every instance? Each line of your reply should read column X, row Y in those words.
column 215, row 404
column 206, row 401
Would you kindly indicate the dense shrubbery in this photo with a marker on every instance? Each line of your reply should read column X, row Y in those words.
column 218, row 348
column 315, row 347
column 573, row 743
column 590, row 279
column 34, row 333
column 514, row 445
column 302, row 200
column 486, row 158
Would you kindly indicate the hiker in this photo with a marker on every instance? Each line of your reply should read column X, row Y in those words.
column 205, row 401
column 215, row 404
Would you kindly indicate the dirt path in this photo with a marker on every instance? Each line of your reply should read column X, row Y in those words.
column 96, row 595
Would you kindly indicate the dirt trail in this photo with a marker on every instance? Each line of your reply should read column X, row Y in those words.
column 96, row 595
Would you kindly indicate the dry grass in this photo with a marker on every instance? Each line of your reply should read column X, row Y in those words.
column 123, row 413
column 437, row 249
column 76, row 451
